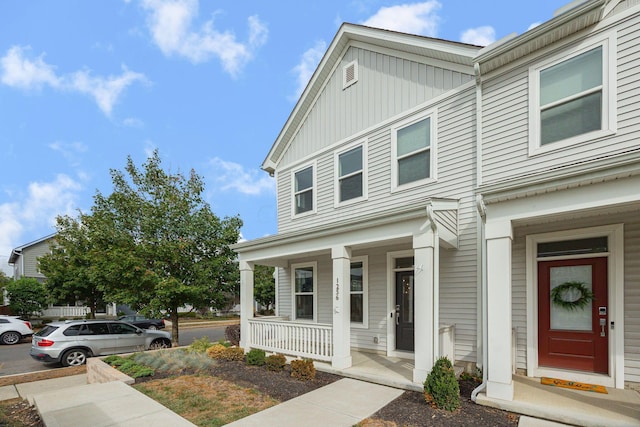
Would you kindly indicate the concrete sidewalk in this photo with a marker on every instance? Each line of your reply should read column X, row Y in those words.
column 343, row 403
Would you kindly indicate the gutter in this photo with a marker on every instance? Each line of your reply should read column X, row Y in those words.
column 482, row 210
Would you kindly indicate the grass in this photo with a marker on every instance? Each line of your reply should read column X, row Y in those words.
column 218, row 402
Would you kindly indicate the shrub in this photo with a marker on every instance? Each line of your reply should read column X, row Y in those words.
column 200, row 346
column 216, row 351
column 175, row 361
column 255, row 357
column 441, row 386
column 233, row 354
column 276, row 362
column 232, row 334
column 303, row 369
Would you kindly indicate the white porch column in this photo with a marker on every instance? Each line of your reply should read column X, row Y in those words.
column 426, row 303
column 246, row 302
column 499, row 235
column 341, row 307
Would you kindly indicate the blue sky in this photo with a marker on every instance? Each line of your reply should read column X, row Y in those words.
column 84, row 84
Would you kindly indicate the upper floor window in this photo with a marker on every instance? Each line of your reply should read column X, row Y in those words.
column 413, row 151
column 303, row 190
column 350, row 174
column 304, row 291
column 572, row 98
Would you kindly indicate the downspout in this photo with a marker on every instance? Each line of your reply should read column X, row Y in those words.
column 481, row 223
column 482, row 210
column 436, row 283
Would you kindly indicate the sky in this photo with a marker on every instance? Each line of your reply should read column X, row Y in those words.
column 209, row 84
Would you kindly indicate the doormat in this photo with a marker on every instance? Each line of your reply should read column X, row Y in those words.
column 573, row 385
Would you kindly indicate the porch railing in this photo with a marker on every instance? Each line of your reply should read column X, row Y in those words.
column 314, row 341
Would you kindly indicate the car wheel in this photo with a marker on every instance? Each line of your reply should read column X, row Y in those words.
column 10, row 338
column 152, row 327
column 160, row 343
column 74, row 357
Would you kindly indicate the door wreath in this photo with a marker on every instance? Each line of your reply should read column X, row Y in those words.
column 571, row 295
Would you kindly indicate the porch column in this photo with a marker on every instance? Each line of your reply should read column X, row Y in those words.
column 341, row 307
column 426, row 303
column 246, row 302
column 499, row 235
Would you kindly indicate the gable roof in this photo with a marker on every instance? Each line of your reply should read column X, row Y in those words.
column 444, row 50
column 16, row 252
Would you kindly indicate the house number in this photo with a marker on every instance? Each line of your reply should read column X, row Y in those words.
column 337, row 290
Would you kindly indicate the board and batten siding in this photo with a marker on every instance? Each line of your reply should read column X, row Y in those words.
column 631, row 284
column 455, row 170
column 386, row 86
column 505, row 143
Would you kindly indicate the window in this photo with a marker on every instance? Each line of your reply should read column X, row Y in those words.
column 358, row 289
column 571, row 100
column 349, row 74
column 413, row 151
column 350, row 174
column 303, row 195
column 304, row 287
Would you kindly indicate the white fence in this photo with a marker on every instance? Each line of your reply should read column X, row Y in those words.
column 71, row 311
column 295, row 339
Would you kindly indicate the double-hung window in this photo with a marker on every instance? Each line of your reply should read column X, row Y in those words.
column 571, row 98
column 351, row 174
column 304, row 291
column 413, row 151
column 358, row 291
column 303, row 190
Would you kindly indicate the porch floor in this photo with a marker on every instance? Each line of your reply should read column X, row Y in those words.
column 618, row 408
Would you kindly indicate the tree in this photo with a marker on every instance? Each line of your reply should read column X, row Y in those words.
column 157, row 245
column 26, row 296
column 264, row 287
column 68, row 265
column 4, row 280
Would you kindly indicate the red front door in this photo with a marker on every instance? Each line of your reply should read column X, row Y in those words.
column 571, row 337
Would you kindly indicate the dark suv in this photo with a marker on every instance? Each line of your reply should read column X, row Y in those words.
column 71, row 342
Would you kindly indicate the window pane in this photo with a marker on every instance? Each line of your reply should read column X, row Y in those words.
column 304, row 201
column 350, row 162
column 304, row 279
column 404, row 262
column 304, row 307
column 304, row 179
column 351, row 187
column 414, row 137
column 573, row 118
column 413, row 168
column 573, row 247
column 571, row 77
column 356, row 277
column 571, row 320
column 356, row 308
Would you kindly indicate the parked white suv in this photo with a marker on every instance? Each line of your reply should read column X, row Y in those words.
column 13, row 329
column 72, row 341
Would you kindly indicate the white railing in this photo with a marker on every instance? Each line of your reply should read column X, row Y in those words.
column 294, row 339
column 58, row 311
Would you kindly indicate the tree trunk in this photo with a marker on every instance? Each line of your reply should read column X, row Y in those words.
column 173, row 316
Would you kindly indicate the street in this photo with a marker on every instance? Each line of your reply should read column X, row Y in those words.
column 15, row 359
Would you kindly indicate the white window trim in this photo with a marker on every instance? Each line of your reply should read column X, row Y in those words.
column 365, row 292
column 345, row 83
column 609, row 94
column 433, row 115
column 336, row 174
column 314, row 189
column 313, row 264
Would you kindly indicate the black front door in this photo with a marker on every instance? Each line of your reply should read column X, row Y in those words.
column 404, row 310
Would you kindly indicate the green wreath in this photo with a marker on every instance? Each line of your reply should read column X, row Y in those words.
column 559, row 295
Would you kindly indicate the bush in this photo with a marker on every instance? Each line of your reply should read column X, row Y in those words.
column 232, row 334
column 216, row 351
column 200, row 346
column 441, row 386
column 233, row 354
column 256, row 357
column 303, row 369
column 276, row 362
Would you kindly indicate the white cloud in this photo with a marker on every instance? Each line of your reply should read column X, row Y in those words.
column 170, row 23
column 133, row 122
column 481, row 36
column 69, row 150
column 307, row 65
column 149, row 148
column 20, row 72
column 233, row 176
column 414, row 18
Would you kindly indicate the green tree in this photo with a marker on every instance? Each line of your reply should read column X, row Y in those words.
column 26, row 296
column 264, row 287
column 4, row 280
column 68, row 265
column 157, row 245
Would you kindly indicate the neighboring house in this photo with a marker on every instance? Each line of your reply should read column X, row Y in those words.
column 24, row 259
column 423, row 183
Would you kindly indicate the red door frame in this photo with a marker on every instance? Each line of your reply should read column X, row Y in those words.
column 577, row 350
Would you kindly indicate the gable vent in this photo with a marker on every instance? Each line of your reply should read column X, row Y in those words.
column 349, row 74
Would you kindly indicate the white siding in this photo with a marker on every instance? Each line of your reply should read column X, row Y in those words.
column 30, row 255
column 506, row 121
